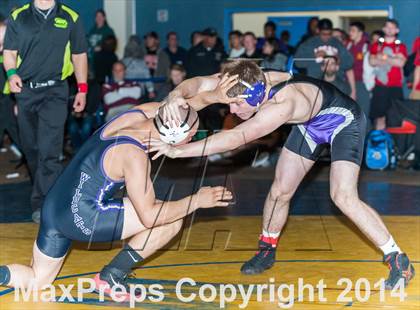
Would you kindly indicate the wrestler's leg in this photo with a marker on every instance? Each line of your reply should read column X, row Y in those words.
column 343, row 188
column 343, row 183
column 146, row 241
column 143, row 243
column 42, row 271
column 290, row 171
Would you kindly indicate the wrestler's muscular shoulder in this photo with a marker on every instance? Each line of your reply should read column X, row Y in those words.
column 125, row 157
column 303, row 98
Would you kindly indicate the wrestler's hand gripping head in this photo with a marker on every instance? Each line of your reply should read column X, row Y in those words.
column 174, row 134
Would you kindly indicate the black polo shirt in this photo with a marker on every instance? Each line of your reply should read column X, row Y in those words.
column 202, row 61
column 45, row 45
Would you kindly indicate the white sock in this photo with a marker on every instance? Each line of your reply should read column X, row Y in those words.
column 390, row 247
column 270, row 235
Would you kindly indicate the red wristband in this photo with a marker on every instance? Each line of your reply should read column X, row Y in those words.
column 82, row 88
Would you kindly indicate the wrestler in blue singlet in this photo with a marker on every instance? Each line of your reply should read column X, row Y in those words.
column 81, row 204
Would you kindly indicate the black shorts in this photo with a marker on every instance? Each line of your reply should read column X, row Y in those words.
column 382, row 98
column 342, row 128
column 88, row 224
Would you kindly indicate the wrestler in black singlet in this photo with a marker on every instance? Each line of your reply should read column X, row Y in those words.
column 340, row 123
column 81, row 204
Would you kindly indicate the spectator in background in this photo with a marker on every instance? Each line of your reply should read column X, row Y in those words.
column 331, row 66
column 120, row 95
column 285, row 39
column 388, row 56
column 81, row 124
column 235, row 44
column 368, row 70
column 323, row 45
column 270, row 33
column 250, row 44
column 340, row 35
column 176, row 76
column 155, row 58
column 273, row 59
column 312, row 30
column 104, row 59
column 135, row 67
column 196, row 38
column 98, row 33
column 375, row 36
column 358, row 47
column 415, row 92
column 206, row 57
column 177, row 54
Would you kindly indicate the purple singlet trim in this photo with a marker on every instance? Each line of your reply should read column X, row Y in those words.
column 321, row 127
column 119, row 137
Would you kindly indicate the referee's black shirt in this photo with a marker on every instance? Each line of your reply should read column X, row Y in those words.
column 45, row 45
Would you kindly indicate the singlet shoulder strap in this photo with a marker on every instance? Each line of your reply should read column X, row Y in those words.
column 297, row 78
column 122, row 139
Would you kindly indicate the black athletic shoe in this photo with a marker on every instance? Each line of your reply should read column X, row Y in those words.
column 264, row 259
column 110, row 277
column 399, row 268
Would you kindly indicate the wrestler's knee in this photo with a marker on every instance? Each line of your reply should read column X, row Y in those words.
column 344, row 199
column 280, row 192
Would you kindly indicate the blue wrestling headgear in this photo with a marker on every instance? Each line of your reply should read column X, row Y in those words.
column 253, row 94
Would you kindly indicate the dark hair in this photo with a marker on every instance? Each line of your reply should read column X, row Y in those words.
column 392, row 21
column 192, row 36
column 2, row 18
column 152, row 34
column 270, row 24
column 343, row 34
column 119, row 62
column 250, row 33
column 276, row 48
column 103, row 13
column 325, row 24
column 178, row 67
column 285, row 33
column 235, row 33
column 247, row 70
column 379, row 33
column 170, row 33
column 359, row 25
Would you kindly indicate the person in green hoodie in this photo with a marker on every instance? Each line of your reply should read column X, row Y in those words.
column 98, row 33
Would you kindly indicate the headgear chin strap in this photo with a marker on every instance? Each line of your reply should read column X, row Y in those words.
column 173, row 134
column 253, row 94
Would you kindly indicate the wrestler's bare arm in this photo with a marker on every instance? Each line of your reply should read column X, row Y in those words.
column 196, row 91
column 150, row 108
column 268, row 119
column 153, row 212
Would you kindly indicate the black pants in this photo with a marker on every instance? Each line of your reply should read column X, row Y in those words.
column 41, row 118
column 406, row 110
column 382, row 98
column 8, row 119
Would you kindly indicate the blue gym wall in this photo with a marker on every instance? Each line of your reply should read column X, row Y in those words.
column 86, row 8
column 188, row 15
